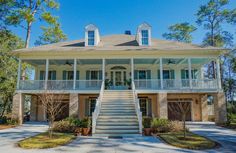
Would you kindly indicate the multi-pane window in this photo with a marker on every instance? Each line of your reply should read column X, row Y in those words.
column 90, row 104
column 94, row 75
column 51, row 75
column 185, row 74
column 91, row 38
column 145, row 106
column 144, row 34
column 168, row 74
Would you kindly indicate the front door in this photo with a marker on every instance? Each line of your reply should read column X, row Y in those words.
column 118, row 78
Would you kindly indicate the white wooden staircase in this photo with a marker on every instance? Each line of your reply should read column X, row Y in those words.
column 117, row 115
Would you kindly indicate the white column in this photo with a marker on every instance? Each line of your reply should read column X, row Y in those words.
column 218, row 72
column 46, row 74
column 132, row 69
column 74, row 79
column 190, row 72
column 19, row 74
column 161, row 73
column 103, row 69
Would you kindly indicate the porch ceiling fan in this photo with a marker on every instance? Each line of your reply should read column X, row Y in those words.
column 170, row 62
column 68, row 63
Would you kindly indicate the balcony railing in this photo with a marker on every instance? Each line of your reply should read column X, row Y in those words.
column 174, row 84
column 60, row 85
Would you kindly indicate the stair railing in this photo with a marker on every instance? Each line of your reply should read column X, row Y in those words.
column 98, row 107
column 137, row 107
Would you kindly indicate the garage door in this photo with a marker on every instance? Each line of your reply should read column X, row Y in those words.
column 174, row 110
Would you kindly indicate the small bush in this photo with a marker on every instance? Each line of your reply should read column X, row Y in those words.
column 160, row 125
column 74, row 121
column 3, row 120
column 8, row 121
column 63, row 126
column 147, row 122
column 86, row 123
column 176, row 126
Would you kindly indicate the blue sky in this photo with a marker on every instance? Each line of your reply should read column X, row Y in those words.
column 116, row 16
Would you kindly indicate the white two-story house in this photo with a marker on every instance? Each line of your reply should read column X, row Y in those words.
column 118, row 79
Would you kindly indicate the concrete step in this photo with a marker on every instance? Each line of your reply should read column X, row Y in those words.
column 117, row 111
column 124, row 117
column 110, row 127
column 116, row 135
column 118, row 108
column 117, row 104
column 114, row 131
column 117, row 123
column 112, row 114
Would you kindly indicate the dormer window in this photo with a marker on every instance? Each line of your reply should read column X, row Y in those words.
column 143, row 36
column 92, row 37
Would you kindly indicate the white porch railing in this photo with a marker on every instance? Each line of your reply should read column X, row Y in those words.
column 97, row 108
column 88, row 84
column 137, row 107
column 174, row 84
column 60, row 85
column 31, row 84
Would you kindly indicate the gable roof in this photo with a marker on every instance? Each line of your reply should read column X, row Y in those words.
column 120, row 42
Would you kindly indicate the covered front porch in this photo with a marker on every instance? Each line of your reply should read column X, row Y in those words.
column 148, row 74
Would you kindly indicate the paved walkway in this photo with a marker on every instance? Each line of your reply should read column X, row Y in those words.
column 226, row 137
column 9, row 138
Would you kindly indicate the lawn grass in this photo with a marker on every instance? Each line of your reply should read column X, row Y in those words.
column 42, row 141
column 192, row 141
column 4, row 126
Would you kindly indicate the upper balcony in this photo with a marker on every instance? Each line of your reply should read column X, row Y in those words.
column 149, row 74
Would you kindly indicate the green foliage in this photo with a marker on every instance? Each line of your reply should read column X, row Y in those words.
column 25, row 13
column 8, row 68
column 51, row 34
column 160, row 125
column 147, row 122
column 86, row 122
column 212, row 15
column 180, row 32
column 8, row 121
column 63, row 126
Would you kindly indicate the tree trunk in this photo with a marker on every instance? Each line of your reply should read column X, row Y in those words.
column 184, row 118
column 27, row 40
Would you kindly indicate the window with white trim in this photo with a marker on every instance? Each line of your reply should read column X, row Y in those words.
column 91, row 38
column 144, row 34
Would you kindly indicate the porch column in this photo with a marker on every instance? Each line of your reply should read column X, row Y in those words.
column 218, row 73
column 18, row 74
column 132, row 68
column 190, row 72
column 220, row 108
column 161, row 73
column 18, row 107
column 46, row 74
column 204, row 108
column 103, row 69
column 74, row 105
column 74, row 79
column 163, row 105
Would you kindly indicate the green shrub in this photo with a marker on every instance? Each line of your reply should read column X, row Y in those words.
column 3, row 120
column 160, row 125
column 73, row 121
column 147, row 122
column 8, row 121
column 86, row 123
column 63, row 126
column 11, row 121
column 176, row 126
